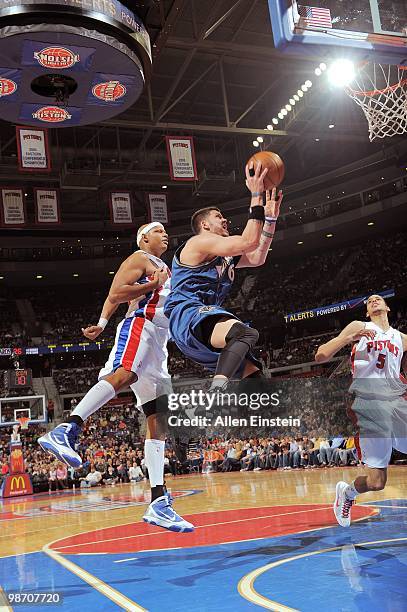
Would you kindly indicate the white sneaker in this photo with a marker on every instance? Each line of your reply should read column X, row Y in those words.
column 342, row 505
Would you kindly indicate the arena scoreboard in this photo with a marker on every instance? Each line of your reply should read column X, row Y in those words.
column 19, row 378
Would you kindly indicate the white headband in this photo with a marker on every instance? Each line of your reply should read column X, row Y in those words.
column 146, row 229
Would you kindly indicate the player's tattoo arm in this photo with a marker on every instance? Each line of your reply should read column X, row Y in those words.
column 258, row 256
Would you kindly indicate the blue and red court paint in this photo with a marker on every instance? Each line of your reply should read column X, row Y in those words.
column 282, row 557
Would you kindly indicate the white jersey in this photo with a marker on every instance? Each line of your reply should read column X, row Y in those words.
column 151, row 306
column 376, row 364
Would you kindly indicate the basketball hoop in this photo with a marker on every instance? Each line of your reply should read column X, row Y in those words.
column 381, row 92
column 23, row 422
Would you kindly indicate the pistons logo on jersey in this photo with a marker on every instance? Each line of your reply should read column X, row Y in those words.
column 382, row 345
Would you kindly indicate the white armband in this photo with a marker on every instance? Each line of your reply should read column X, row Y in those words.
column 102, row 322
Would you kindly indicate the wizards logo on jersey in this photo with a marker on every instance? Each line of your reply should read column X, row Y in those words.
column 227, row 266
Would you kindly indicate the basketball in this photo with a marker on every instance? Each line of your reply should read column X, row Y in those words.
column 275, row 165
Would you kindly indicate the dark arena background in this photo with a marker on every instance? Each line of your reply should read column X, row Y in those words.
column 115, row 114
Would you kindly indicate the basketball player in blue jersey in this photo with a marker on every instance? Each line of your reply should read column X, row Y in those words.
column 139, row 359
column 379, row 410
column 202, row 276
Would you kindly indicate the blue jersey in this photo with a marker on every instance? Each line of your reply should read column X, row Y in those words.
column 207, row 284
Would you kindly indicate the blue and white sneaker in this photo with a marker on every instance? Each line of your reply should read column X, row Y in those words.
column 61, row 442
column 161, row 513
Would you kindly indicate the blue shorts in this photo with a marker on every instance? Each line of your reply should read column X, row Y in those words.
column 184, row 321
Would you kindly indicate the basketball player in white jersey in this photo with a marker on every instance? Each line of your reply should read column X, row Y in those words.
column 379, row 411
column 139, row 359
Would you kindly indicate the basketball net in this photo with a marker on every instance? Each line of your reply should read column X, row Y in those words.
column 381, row 92
column 23, row 422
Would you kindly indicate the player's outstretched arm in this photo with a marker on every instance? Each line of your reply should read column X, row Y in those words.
column 93, row 331
column 212, row 245
column 124, row 286
column 351, row 333
column 258, row 256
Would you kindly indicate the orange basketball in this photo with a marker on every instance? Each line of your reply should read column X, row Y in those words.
column 275, row 165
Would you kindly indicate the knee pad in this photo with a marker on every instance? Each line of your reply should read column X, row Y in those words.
column 156, row 406
column 242, row 333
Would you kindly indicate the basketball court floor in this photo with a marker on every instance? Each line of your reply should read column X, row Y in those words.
column 262, row 540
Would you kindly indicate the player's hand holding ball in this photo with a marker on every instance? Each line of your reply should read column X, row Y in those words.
column 273, row 203
column 255, row 176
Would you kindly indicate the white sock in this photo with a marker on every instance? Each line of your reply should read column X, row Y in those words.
column 154, row 461
column 351, row 492
column 95, row 398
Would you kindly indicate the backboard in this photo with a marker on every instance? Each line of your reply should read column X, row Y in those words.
column 30, row 406
column 358, row 29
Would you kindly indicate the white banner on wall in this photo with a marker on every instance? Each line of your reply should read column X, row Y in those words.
column 157, row 207
column 120, row 208
column 33, row 153
column 12, row 207
column 46, row 206
column 181, row 157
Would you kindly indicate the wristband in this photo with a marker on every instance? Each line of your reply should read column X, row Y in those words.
column 257, row 194
column 271, row 219
column 256, row 212
column 102, row 322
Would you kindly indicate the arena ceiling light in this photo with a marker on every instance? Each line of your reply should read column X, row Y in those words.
column 331, row 126
column 280, row 115
column 292, row 101
column 75, row 275
column 1, row 277
column 371, row 223
column 341, row 72
column 288, row 107
column 111, row 273
column 260, row 139
column 255, row 143
column 39, row 276
column 300, row 242
column 275, row 120
column 163, row 186
column 329, row 235
column 270, row 127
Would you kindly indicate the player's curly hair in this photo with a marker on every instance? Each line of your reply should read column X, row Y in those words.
column 199, row 215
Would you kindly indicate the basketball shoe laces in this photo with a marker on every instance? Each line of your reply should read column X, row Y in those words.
column 346, row 506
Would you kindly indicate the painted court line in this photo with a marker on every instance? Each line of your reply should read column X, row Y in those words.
column 108, row 591
column 154, row 533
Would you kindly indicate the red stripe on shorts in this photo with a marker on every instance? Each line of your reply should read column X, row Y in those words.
column 133, row 343
column 152, row 305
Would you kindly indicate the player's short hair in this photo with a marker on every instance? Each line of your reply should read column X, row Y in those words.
column 199, row 215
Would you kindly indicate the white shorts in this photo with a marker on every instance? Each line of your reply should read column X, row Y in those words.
column 382, row 426
column 141, row 347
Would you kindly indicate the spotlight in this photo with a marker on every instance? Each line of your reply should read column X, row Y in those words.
column 270, row 127
column 280, row 115
column 275, row 120
column 296, row 98
column 308, row 83
column 288, row 107
column 255, row 143
column 318, row 71
column 341, row 72
column 292, row 101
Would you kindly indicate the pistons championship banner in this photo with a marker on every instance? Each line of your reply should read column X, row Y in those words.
column 47, row 207
column 12, row 207
column 33, row 152
column 121, row 212
column 157, row 207
column 181, row 157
